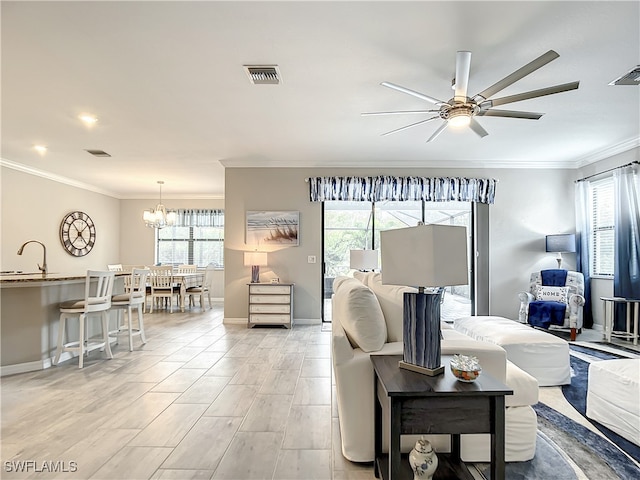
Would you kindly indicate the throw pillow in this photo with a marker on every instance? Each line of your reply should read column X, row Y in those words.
column 360, row 315
column 391, row 299
column 555, row 294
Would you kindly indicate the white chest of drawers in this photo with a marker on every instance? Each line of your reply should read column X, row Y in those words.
column 270, row 304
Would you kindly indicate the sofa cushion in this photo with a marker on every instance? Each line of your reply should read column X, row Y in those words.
column 360, row 314
column 391, row 299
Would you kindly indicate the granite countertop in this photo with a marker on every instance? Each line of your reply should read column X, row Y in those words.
column 35, row 277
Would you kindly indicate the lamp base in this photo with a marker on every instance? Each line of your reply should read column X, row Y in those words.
column 432, row 372
column 255, row 274
column 421, row 332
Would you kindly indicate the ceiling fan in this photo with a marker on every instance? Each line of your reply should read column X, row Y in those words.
column 461, row 110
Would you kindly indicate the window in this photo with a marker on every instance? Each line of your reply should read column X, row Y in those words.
column 196, row 238
column 602, row 222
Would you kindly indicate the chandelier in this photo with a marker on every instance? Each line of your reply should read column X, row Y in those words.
column 159, row 217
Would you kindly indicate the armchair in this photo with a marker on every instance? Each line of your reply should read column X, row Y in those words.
column 554, row 300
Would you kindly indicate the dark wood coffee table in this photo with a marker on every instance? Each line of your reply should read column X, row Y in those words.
column 420, row 404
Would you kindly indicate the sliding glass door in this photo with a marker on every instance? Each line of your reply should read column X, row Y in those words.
column 357, row 225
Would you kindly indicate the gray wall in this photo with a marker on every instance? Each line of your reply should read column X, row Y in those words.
column 32, row 209
column 530, row 203
column 137, row 241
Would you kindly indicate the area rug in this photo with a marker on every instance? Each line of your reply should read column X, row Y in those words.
column 566, row 449
column 576, row 394
column 548, row 463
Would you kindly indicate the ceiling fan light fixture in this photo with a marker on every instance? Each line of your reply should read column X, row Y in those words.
column 459, row 117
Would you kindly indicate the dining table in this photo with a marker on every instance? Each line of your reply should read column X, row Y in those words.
column 185, row 281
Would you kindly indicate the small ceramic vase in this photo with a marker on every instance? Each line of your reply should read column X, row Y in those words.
column 423, row 460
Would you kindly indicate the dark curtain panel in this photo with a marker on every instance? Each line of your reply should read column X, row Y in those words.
column 583, row 262
column 626, row 279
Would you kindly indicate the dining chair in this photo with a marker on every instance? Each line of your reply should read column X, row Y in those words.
column 163, row 286
column 115, row 267
column 134, row 298
column 187, row 269
column 97, row 301
column 192, row 292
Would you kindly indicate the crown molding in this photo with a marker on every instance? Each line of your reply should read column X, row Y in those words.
column 608, row 152
column 56, row 178
column 92, row 188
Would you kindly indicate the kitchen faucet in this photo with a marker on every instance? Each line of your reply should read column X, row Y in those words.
column 42, row 268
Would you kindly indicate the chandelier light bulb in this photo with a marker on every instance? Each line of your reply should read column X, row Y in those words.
column 158, row 217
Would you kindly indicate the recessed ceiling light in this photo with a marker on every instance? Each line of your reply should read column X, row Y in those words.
column 88, row 120
column 41, row 149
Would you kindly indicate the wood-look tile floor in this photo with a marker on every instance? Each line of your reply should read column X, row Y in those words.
column 201, row 400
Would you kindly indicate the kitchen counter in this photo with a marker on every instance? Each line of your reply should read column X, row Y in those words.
column 33, row 278
column 29, row 316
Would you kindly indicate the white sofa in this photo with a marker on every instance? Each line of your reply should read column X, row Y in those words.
column 367, row 320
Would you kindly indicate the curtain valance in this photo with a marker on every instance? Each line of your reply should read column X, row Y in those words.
column 375, row 189
column 199, row 218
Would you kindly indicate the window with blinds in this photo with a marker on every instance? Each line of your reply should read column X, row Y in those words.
column 602, row 218
column 197, row 238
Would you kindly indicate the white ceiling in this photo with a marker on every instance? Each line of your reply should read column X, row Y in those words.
column 166, row 81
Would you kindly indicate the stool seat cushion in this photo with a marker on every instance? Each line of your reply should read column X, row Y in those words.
column 121, row 298
column 72, row 304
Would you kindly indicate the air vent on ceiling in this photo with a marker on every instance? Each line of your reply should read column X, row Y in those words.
column 630, row 78
column 263, row 74
column 98, row 153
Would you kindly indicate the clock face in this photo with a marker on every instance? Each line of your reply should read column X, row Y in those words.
column 77, row 234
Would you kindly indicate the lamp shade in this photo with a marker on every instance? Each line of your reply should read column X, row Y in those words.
column 255, row 258
column 363, row 259
column 425, row 256
column 563, row 243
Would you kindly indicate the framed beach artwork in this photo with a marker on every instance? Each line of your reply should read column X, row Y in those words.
column 272, row 228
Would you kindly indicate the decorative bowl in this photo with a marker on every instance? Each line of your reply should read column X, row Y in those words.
column 465, row 368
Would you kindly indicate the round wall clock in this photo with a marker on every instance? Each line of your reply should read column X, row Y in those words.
column 77, row 234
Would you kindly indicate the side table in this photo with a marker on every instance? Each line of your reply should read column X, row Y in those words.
column 609, row 308
column 420, row 404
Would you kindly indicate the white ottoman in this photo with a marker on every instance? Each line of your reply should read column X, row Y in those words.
column 613, row 396
column 541, row 354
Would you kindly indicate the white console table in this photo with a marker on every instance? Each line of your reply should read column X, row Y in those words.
column 270, row 304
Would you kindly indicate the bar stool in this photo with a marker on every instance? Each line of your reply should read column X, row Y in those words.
column 135, row 297
column 97, row 301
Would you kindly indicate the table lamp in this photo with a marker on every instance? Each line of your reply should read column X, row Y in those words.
column 363, row 260
column 562, row 243
column 255, row 260
column 424, row 256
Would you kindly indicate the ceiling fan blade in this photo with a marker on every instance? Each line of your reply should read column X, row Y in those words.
column 522, row 72
column 565, row 87
column 422, row 96
column 399, row 112
column 510, row 114
column 463, row 65
column 476, row 127
column 409, row 126
column 440, row 129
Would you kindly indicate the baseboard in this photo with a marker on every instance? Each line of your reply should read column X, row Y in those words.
column 307, row 321
column 296, row 321
column 234, row 321
column 23, row 367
